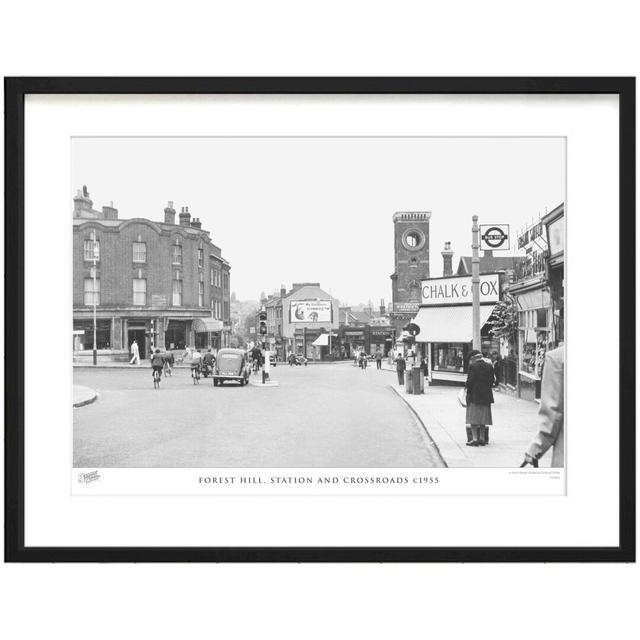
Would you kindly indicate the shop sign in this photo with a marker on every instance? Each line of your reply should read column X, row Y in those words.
column 354, row 334
column 494, row 237
column 404, row 307
column 381, row 332
column 457, row 290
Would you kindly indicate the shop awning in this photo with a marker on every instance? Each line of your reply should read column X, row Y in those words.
column 538, row 299
column 207, row 325
column 448, row 324
column 321, row 341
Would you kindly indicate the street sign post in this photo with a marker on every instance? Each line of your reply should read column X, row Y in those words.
column 494, row 237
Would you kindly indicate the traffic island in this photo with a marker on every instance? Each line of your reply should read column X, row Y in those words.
column 83, row 396
column 267, row 383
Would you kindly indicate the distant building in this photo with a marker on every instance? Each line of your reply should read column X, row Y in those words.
column 162, row 284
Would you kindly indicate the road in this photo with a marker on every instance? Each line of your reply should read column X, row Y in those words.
column 329, row 415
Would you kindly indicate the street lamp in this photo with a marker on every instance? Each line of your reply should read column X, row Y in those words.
column 95, row 253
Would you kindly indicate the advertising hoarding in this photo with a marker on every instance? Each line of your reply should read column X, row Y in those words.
column 310, row 311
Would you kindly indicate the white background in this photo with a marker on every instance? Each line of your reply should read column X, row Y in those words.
column 405, row 601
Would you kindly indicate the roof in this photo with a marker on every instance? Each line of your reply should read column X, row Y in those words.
column 489, row 264
column 309, row 292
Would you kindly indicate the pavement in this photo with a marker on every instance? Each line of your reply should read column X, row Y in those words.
column 515, row 422
column 331, row 416
column 83, row 395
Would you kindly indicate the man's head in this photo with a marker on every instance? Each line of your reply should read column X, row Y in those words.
column 157, row 350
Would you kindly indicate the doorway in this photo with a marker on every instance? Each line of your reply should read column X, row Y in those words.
column 139, row 336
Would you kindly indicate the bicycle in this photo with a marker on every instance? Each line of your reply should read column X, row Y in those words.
column 157, row 376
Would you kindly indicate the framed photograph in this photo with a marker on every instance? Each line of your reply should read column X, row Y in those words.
column 320, row 319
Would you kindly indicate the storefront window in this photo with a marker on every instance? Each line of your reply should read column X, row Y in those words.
column 533, row 350
column 84, row 341
column 448, row 357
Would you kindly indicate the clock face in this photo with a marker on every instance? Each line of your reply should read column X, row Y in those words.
column 413, row 239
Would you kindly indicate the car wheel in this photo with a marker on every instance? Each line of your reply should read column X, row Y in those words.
column 242, row 382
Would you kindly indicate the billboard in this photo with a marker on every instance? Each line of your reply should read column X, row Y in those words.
column 310, row 311
column 457, row 290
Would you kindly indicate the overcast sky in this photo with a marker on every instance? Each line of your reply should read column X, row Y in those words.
column 289, row 210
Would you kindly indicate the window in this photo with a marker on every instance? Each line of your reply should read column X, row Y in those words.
column 448, row 357
column 139, row 251
column 200, row 257
column 201, row 294
column 89, row 248
column 413, row 239
column 212, row 277
column 176, row 255
column 139, row 291
column 84, row 341
column 89, row 293
column 177, row 293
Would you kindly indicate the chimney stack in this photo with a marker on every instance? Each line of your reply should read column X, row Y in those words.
column 82, row 202
column 196, row 224
column 447, row 260
column 185, row 217
column 283, row 291
column 109, row 212
column 382, row 307
column 169, row 213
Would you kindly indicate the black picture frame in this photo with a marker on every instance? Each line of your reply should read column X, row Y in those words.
column 15, row 91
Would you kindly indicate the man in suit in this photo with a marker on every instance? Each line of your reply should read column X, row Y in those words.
column 551, row 428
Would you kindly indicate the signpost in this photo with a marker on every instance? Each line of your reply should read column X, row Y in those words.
column 494, row 237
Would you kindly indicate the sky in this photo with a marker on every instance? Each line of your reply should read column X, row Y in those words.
column 287, row 210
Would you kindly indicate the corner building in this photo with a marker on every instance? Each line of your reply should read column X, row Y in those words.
column 163, row 284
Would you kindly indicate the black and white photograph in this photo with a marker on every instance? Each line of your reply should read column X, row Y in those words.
column 378, row 303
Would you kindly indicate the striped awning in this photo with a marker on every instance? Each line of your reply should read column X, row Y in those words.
column 207, row 325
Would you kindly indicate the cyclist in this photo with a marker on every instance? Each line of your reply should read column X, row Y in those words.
column 157, row 364
column 256, row 357
column 167, row 362
column 208, row 361
column 196, row 361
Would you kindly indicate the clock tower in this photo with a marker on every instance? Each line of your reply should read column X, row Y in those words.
column 411, row 262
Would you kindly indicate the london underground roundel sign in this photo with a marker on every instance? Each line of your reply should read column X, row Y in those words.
column 494, row 237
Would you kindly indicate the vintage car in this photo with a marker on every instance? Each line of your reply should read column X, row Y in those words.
column 231, row 364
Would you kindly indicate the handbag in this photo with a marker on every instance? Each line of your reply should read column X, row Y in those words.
column 462, row 396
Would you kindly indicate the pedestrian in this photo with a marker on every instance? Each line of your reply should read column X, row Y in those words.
column 551, row 412
column 479, row 385
column 363, row 360
column 135, row 353
column 401, row 365
column 379, row 360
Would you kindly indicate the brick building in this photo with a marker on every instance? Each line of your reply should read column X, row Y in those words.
column 411, row 265
column 163, row 284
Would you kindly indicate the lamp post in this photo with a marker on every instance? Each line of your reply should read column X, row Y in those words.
column 475, row 282
column 95, row 253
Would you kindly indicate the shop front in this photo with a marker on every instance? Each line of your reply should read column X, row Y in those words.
column 207, row 333
column 381, row 339
column 534, row 321
column 445, row 319
column 352, row 340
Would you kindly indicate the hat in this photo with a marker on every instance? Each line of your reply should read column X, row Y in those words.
column 473, row 353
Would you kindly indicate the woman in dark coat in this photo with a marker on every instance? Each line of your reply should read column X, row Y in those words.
column 480, row 379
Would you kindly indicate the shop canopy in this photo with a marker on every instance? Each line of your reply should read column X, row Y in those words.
column 321, row 341
column 448, row 324
column 207, row 325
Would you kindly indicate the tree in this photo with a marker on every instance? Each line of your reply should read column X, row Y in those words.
column 504, row 319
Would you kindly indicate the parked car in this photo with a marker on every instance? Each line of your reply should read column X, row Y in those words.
column 231, row 364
